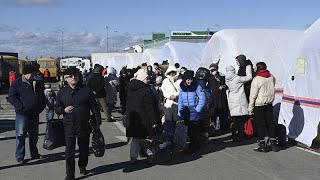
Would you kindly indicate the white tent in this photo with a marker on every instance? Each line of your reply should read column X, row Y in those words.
column 128, row 59
column 134, row 60
column 273, row 46
column 186, row 54
column 151, row 56
column 300, row 107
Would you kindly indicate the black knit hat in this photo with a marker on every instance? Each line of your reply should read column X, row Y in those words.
column 187, row 75
column 72, row 71
column 28, row 69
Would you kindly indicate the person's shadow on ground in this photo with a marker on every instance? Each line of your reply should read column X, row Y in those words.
column 49, row 158
column 171, row 157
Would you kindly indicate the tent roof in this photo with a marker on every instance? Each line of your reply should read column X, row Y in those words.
column 184, row 53
column 273, row 46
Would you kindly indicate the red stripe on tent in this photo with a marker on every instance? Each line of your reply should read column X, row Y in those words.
column 301, row 104
column 301, row 98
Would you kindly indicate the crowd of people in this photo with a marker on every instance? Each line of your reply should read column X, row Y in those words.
column 152, row 101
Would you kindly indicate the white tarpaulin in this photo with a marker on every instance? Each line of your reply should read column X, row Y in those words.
column 300, row 107
column 273, row 46
column 126, row 59
column 151, row 56
column 186, row 54
column 134, row 60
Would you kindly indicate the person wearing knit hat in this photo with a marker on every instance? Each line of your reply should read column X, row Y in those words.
column 97, row 84
column 28, row 69
column 170, row 88
column 192, row 101
column 29, row 101
column 137, row 72
column 188, row 75
column 219, row 108
column 142, row 114
column 142, row 75
column 159, row 80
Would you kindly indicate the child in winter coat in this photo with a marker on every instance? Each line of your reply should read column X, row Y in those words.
column 237, row 101
column 50, row 101
column 192, row 100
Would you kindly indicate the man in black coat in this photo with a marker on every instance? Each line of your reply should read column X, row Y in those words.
column 123, row 88
column 75, row 101
column 97, row 85
column 28, row 99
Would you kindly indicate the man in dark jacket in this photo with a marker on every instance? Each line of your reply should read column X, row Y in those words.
column 97, row 84
column 123, row 88
column 75, row 101
column 218, row 87
column 28, row 99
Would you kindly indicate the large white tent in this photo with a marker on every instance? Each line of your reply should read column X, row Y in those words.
column 186, row 54
column 151, row 56
column 300, row 107
column 127, row 59
column 273, row 46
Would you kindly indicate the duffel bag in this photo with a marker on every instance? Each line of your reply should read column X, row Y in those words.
column 54, row 136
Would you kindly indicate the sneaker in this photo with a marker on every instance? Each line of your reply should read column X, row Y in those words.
column 21, row 161
column 83, row 171
column 38, row 156
column 111, row 120
column 149, row 152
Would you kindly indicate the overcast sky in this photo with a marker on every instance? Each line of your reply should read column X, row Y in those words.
column 37, row 28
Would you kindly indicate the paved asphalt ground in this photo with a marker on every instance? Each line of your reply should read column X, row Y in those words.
column 219, row 158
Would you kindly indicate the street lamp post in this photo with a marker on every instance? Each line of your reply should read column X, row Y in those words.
column 61, row 44
column 107, row 27
column 116, row 41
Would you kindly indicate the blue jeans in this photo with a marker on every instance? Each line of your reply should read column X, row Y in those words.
column 110, row 107
column 49, row 114
column 26, row 125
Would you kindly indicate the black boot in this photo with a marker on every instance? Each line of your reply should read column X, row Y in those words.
column 234, row 129
column 240, row 131
column 261, row 147
column 273, row 144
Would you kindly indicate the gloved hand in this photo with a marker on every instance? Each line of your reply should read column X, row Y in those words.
column 197, row 115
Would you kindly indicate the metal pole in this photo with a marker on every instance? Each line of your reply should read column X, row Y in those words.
column 107, row 27
column 116, row 42
column 61, row 44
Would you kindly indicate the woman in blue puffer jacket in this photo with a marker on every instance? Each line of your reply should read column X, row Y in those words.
column 192, row 100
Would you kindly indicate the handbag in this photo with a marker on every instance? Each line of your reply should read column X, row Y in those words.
column 54, row 136
column 98, row 144
column 180, row 134
column 248, row 128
